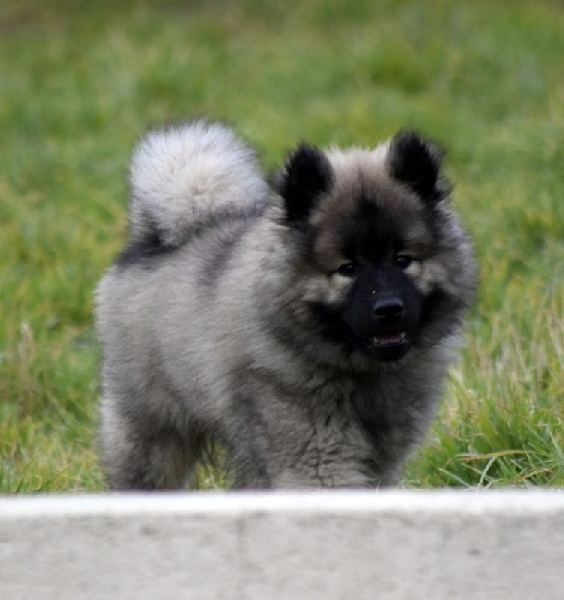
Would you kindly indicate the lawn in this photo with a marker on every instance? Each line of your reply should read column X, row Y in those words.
column 81, row 81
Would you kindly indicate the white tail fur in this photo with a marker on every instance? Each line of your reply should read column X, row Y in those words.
column 180, row 175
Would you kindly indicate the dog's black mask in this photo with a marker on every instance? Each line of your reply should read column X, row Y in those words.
column 381, row 313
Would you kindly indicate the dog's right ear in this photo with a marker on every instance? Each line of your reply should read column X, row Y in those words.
column 307, row 174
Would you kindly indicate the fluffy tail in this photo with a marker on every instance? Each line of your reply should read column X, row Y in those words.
column 180, row 176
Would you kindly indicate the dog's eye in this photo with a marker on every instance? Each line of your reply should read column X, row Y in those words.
column 403, row 261
column 349, row 269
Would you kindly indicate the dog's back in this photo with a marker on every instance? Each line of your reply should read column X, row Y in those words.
column 195, row 190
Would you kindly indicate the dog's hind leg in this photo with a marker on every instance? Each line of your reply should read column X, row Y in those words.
column 140, row 454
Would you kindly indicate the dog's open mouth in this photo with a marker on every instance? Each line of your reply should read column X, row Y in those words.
column 389, row 346
column 389, row 340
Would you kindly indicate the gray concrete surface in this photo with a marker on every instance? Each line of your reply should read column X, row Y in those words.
column 352, row 546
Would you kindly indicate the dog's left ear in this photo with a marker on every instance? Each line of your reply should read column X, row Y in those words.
column 307, row 174
column 417, row 163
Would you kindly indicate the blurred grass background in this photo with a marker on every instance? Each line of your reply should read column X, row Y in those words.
column 80, row 81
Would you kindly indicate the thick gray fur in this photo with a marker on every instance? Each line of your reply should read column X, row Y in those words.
column 206, row 334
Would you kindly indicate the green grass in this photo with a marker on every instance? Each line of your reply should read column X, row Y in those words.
column 80, row 81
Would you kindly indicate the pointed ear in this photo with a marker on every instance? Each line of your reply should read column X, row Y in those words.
column 417, row 164
column 306, row 175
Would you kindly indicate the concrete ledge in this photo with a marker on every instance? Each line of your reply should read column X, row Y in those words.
column 334, row 545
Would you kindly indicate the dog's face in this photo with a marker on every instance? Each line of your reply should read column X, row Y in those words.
column 373, row 249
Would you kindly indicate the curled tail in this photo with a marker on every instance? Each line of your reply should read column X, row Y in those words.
column 182, row 175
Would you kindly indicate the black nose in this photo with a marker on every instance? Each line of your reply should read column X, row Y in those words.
column 388, row 310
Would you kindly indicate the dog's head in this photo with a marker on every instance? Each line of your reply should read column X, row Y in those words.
column 384, row 263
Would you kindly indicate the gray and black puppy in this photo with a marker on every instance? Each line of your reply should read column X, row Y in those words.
column 307, row 330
